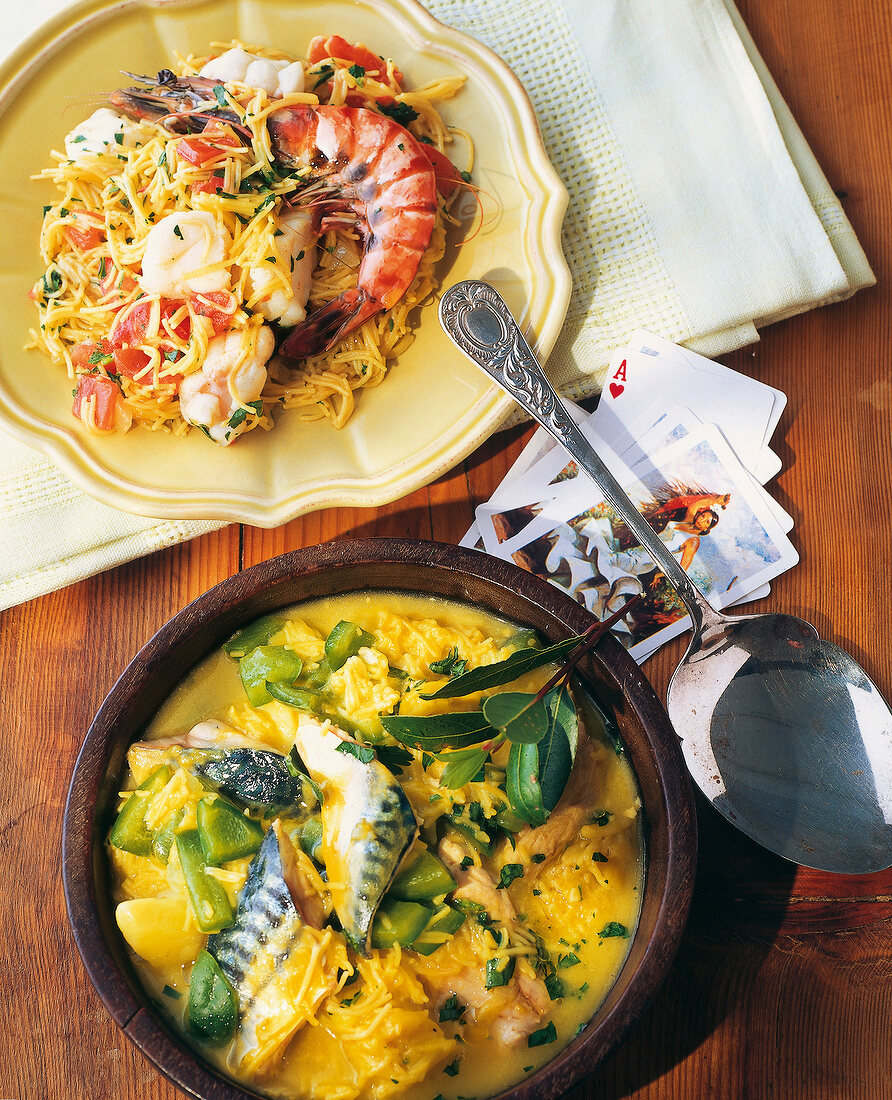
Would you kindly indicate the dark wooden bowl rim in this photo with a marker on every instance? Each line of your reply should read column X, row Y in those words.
column 453, row 573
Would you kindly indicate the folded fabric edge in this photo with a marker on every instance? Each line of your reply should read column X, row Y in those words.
column 108, row 555
column 827, row 206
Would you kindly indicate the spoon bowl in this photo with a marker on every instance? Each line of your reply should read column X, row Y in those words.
column 783, row 732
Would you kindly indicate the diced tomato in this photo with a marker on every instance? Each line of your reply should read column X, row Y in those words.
column 114, row 280
column 132, row 329
column 130, row 361
column 83, row 239
column 90, row 353
column 87, row 232
column 220, row 317
column 448, row 176
column 209, row 186
column 213, row 140
column 106, row 393
column 356, row 53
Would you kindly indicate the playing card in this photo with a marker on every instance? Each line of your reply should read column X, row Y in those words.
column 720, row 528
column 652, row 369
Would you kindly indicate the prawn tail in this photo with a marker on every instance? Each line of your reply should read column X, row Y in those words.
column 329, row 324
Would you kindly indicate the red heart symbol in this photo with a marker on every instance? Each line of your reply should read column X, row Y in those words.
column 616, row 389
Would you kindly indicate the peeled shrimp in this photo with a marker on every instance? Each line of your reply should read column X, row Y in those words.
column 228, row 379
column 297, row 242
column 178, row 249
column 276, row 78
column 375, row 167
column 105, row 131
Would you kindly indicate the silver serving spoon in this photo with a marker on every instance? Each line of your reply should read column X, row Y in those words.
column 784, row 733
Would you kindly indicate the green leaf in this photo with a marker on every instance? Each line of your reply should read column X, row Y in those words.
column 522, row 784
column 521, row 717
column 538, row 773
column 564, row 714
column 568, row 960
column 394, row 758
column 555, row 765
column 435, row 732
column 365, row 753
column 462, row 768
column 503, row 672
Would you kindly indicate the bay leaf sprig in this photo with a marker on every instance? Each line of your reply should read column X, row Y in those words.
column 542, row 727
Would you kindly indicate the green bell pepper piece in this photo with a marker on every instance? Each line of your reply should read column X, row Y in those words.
column 298, row 697
column 426, row 878
column 345, row 640
column 163, row 840
column 251, row 636
column 469, row 830
column 267, row 664
column 445, row 919
column 399, row 922
column 311, row 838
column 130, row 832
column 209, row 900
column 212, row 1010
column 225, row 832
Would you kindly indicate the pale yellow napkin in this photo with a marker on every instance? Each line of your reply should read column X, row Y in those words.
column 696, row 211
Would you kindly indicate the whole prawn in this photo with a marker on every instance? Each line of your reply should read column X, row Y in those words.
column 366, row 170
column 371, row 165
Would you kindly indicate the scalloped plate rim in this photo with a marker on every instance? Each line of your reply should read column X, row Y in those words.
column 549, row 297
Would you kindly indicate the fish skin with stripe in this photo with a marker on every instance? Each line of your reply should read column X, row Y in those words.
column 368, row 826
column 268, row 929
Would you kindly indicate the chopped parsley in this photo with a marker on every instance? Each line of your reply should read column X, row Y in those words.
column 241, row 415
column 496, row 977
column 177, row 232
column 568, row 960
column 324, row 74
column 453, row 1068
column 602, row 817
column 544, row 1035
column 220, row 95
column 451, row 1009
column 451, row 665
column 399, row 112
column 508, row 874
column 358, row 74
column 614, row 928
column 555, row 986
column 365, row 753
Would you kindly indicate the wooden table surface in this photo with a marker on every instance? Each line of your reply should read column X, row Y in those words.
column 782, row 988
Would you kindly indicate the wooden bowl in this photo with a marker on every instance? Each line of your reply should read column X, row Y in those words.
column 402, row 564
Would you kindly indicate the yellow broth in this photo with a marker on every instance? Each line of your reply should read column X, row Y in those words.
column 581, row 900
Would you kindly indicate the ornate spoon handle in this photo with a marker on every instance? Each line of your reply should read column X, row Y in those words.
column 477, row 318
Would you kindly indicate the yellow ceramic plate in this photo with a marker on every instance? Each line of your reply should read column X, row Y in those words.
column 431, row 411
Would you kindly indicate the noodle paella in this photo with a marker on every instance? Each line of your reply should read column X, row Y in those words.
column 251, row 233
column 335, row 879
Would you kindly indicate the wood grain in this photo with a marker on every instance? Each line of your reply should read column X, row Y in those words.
column 782, row 988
